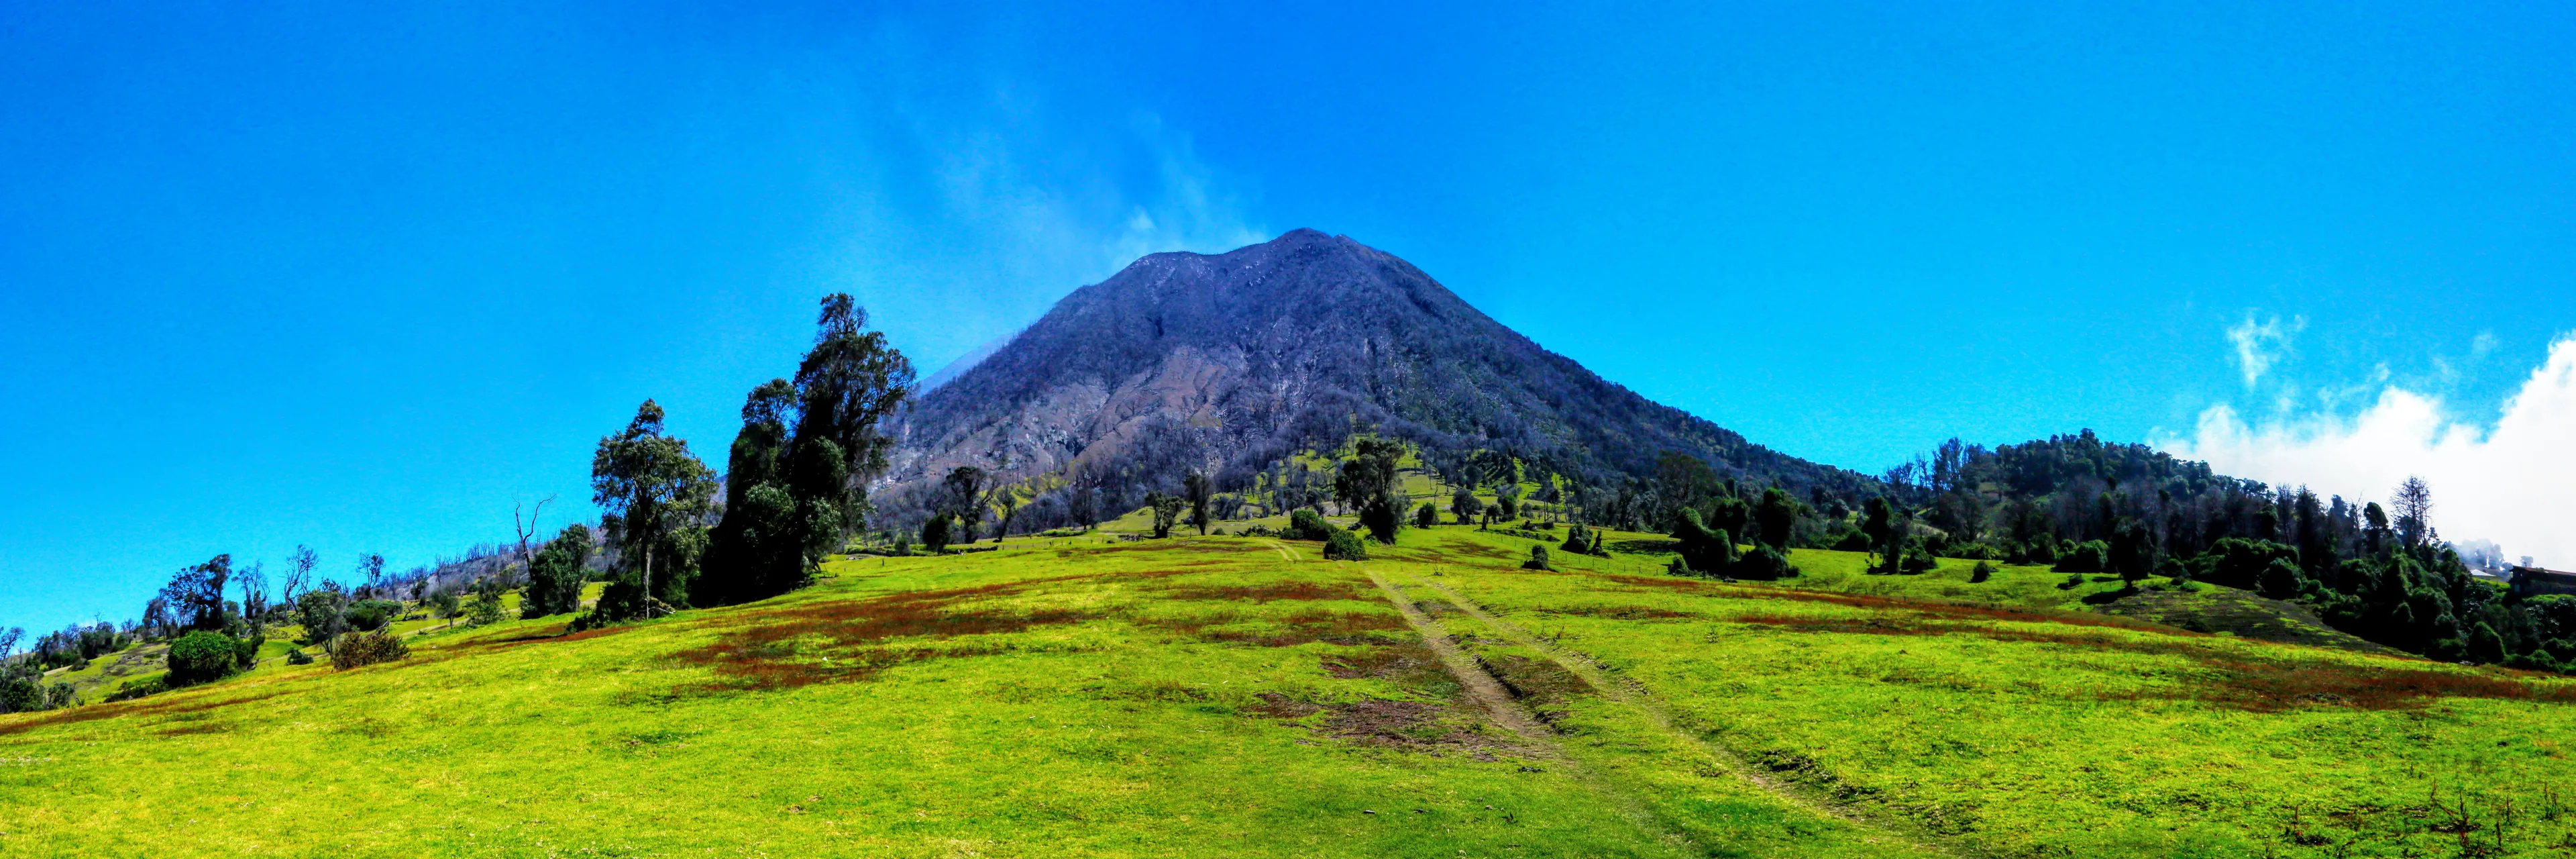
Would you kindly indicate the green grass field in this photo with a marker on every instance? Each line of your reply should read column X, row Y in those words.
column 1237, row 696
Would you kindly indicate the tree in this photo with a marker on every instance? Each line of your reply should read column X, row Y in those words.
column 1082, row 501
column 1166, row 509
column 1703, row 550
column 658, row 493
column 1889, row 527
column 1775, row 518
column 254, row 601
column 2374, row 533
column 1195, row 488
column 2132, row 552
column 963, row 498
column 2280, row 579
column 1009, row 501
column 322, row 611
column 486, row 606
column 2413, row 505
column 527, row 530
column 196, row 594
column 556, row 573
column 371, row 569
column 797, row 472
column 935, row 533
column 299, row 572
column 1426, row 515
column 1463, row 503
column 1368, row 480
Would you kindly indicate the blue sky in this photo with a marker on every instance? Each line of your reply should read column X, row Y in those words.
column 362, row 277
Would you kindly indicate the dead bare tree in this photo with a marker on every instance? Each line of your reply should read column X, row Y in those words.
column 527, row 530
column 299, row 571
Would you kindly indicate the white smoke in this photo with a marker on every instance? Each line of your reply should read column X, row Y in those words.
column 2513, row 483
column 2259, row 345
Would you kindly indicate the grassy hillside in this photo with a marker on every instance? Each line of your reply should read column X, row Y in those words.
column 1237, row 696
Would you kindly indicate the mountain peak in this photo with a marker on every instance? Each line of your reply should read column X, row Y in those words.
column 1227, row 364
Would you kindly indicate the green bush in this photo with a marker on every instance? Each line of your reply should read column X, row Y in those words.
column 1426, row 515
column 1305, row 525
column 1344, row 546
column 1981, row 572
column 1578, row 540
column 201, row 656
column 2090, row 556
column 367, row 648
column 297, row 656
column 1972, row 552
column 370, row 615
column 1763, row 562
column 1537, row 559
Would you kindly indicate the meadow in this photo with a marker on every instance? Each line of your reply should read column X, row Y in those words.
column 1241, row 696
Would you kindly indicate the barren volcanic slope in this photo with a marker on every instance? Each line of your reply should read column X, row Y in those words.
column 1227, row 363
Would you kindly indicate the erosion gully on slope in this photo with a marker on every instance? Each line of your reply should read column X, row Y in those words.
column 1629, row 693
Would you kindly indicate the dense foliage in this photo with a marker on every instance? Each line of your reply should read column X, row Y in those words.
column 655, row 495
column 556, row 574
column 204, row 655
column 795, row 479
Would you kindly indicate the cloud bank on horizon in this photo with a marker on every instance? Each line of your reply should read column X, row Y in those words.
column 2508, row 482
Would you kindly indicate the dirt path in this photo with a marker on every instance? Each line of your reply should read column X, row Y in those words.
column 1636, row 696
column 1286, row 552
column 1498, row 705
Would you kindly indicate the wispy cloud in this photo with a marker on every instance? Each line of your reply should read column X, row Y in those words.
column 2262, row 344
column 2508, row 482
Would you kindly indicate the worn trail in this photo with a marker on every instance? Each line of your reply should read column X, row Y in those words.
column 1497, row 703
column 1636, row 696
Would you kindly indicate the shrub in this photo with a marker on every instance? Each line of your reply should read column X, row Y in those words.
column 1344, row 546
column 367, row 648
column 1537, row 560
column 486, row 607
column 370, row 615
column 138, row 688
column 1578, row 539
column 297, row 656
column 2073, row 581
column 1972, row 552
column 1305, row 525
column 1852, row 540
column 2282, row 580
column 2090, row 556
column 1763, row 562
column 201, row 656
column 1916, row 560
column 2042, row 552
column 1982, row 572
column 934, row 534
column 1703, row 549
column 1426, row 515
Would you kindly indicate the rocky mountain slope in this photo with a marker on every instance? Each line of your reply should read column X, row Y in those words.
column 1226, row 363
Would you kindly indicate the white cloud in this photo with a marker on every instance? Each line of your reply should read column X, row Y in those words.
column 2259, row 345
column 2513, row 482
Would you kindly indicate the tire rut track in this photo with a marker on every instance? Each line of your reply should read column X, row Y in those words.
column 1627, row 691
column 1499, row 706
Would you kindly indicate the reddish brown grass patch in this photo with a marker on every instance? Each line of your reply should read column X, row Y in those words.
column 1301, row 627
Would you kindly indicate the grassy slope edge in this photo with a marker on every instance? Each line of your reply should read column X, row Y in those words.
column 1242, row 697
